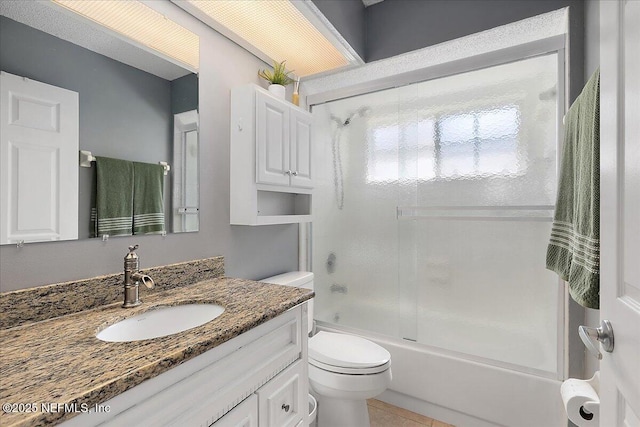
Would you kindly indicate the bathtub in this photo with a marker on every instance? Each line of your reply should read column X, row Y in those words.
column 467, row 393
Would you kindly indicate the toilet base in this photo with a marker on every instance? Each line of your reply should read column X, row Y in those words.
column 342, row 398
column 342, row 412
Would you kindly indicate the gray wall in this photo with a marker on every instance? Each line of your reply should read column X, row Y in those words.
column 348, row 17
column 398, row 26
column 591, row 38
column 184, row 94
column 393, row 27
column 250, row 252
column 124, row 112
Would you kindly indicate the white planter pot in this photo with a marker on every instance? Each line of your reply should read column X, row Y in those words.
column 277, row 90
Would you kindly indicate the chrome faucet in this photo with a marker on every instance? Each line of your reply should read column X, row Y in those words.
column 132, row 279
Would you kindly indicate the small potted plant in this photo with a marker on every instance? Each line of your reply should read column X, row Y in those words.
column 278, row 79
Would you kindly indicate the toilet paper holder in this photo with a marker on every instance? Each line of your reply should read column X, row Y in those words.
column 603, row 334
column 582, row 401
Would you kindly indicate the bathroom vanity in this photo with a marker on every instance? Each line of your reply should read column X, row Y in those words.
column 246, row 367
column 255, row 379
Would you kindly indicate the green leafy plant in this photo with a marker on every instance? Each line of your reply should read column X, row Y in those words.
column 279, row 76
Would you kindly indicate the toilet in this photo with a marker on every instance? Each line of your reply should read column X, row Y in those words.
column 344, row 370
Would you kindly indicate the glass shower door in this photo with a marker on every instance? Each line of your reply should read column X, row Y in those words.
column 432, row 212
column 354, row 237
column 475, row 218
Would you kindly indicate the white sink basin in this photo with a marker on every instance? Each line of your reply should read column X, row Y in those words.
column 160, row 322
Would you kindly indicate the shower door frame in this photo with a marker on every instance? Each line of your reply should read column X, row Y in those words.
column 555, row 44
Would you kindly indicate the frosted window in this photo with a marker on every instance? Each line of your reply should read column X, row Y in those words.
column 457, row 158
column 426, row 153
column 498, row 123
column 480, row 143
column 475, row 144
column 383, row 161
column 457, row 128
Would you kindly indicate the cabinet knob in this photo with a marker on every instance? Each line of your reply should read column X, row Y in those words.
column 295, row 173
column 285, row 407
column 288, row 173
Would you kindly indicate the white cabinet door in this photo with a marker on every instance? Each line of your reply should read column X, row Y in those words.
column 283, row 401
column 620, row 211
column 272, row 140
column 243, row 415
column 300, row 153
column 39, row 161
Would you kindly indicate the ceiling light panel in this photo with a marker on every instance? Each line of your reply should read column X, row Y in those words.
column 277, row 29
column 143, row 25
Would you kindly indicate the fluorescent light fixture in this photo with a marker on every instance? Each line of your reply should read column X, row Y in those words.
column 143, row 25
column 277, row 30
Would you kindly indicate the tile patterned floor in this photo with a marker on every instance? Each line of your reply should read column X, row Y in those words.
column 382, row 414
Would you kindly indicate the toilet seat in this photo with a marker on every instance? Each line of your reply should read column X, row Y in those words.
column 350, row 371
column 347, row 354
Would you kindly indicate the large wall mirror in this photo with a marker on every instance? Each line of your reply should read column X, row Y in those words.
column 133, row 103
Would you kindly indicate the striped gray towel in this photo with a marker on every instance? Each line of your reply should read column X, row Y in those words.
column 113, row 213
column 148, row 198
column 574, row 247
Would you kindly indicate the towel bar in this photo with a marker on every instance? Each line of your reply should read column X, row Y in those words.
column 543, row 213
column 86, row 158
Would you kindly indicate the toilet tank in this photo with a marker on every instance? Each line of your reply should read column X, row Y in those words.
column 299, row 279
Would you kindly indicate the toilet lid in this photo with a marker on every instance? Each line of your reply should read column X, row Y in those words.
column 346, row 351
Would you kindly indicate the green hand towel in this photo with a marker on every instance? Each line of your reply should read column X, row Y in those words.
column 574, row 247
column 148, row 198
column 114, row 197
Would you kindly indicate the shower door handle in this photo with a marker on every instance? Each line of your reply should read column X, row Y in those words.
column 603, row 334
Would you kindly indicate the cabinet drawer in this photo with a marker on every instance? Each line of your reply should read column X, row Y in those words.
column 282, row 402
column 243, row 415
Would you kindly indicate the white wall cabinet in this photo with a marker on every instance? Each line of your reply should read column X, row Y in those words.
column 272, row 140
column 271, row 159
column 283, row 143
column 300, row 153
column 258, row 379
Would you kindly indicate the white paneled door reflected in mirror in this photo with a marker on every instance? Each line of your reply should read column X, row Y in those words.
column 132, row 103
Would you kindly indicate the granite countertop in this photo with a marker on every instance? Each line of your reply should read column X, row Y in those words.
column 60, row 361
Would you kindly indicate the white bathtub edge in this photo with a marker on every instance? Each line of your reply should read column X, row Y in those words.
column 467, row 393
